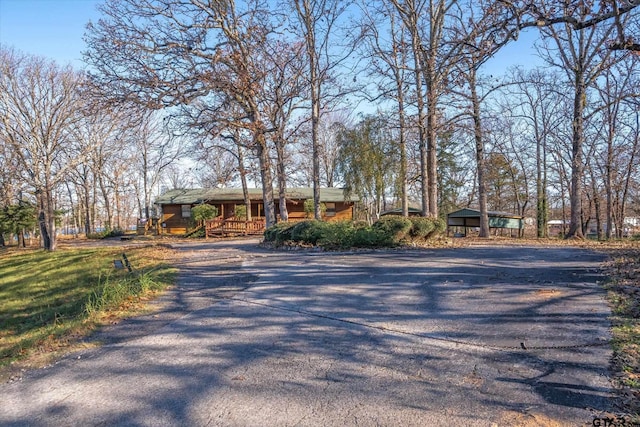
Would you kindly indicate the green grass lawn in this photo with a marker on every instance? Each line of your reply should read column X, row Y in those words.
column 50, row 299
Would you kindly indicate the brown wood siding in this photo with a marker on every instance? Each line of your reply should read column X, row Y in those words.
column 175, row 224
column 296, row 211
column 344, row 212
column 173, row 221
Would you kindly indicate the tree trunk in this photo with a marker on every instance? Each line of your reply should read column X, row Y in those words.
column 267, row 180
column 404, row 196
column 315, row 87
column 577, row 164
column 74, row 216
column 282, row 179
column 315, row 121
column 88, row 224
column 541, row 190
column 243, row 180
column 597, row 206
column 432, row 159
column 107, row 203
column 145, row 183
column 608, row 185
column 432, row 117
column 47, row 233
column 630, row 167
column 422, row 143
column 480, row 158
column 116, row 197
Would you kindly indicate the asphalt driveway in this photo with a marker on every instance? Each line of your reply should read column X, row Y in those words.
column 251, row 337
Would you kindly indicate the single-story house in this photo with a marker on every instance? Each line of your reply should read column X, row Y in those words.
column 470, row 218
column 174, row 206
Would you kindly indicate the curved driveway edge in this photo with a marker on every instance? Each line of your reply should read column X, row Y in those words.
column 250, row 337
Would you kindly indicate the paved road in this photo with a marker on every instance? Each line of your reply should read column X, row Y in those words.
column 467, row 336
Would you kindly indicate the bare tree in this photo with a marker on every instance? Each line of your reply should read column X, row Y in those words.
column 316, row 23
column 476, row 46
column 535, row 102
column 284, row 88
column 389, row 67
column 580, row 55
column 153, row 151
column 102, row 134
column 516, row 15
column 330, row 146
column 166, row 53
column 11, row 188
column 330, row 126
column 39, row 106
column 433, row 57
column 216, row 167
column 616, row 91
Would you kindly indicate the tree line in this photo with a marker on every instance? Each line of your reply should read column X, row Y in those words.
column 265, row 92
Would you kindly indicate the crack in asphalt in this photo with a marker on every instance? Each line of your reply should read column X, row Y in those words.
column 520, row 347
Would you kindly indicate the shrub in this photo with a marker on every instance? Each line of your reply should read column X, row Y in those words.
column 421, row 227
column 309, row 208
column 310, row 231
column 394, row 229
column 278, row 233
column 240, row 211
column 440, row 227
column 203, row 212
column 337, row 234
column 389, row 231
column 198, row 233
column 116, row 232
column 369, row 237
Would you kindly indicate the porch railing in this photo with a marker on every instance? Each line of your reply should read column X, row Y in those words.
column 227, row 227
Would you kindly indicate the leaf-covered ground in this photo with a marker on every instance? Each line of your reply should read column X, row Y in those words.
column 623, row 269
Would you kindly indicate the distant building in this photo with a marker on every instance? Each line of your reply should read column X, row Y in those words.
column 557, row 227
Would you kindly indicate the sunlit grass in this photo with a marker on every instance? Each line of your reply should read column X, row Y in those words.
column 50, row 299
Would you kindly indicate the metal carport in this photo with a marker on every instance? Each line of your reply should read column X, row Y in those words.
column 470, row 218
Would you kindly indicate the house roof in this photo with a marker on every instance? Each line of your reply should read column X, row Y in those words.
column 473, row 213
column 200, row 195
column 398, row 211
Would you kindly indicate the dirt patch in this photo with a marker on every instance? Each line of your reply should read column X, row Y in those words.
column 547, row 293
column 512, row 418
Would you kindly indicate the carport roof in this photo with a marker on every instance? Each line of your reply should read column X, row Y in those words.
column 473, row 213
column 398, row 211
column 200, row 195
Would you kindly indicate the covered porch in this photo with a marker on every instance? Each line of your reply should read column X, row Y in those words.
column 223, row 227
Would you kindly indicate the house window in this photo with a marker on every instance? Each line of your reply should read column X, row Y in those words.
column 331, row 209
column 186, row 211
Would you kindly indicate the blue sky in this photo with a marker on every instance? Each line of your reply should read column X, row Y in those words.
column 50, row 28
column 54, row 29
